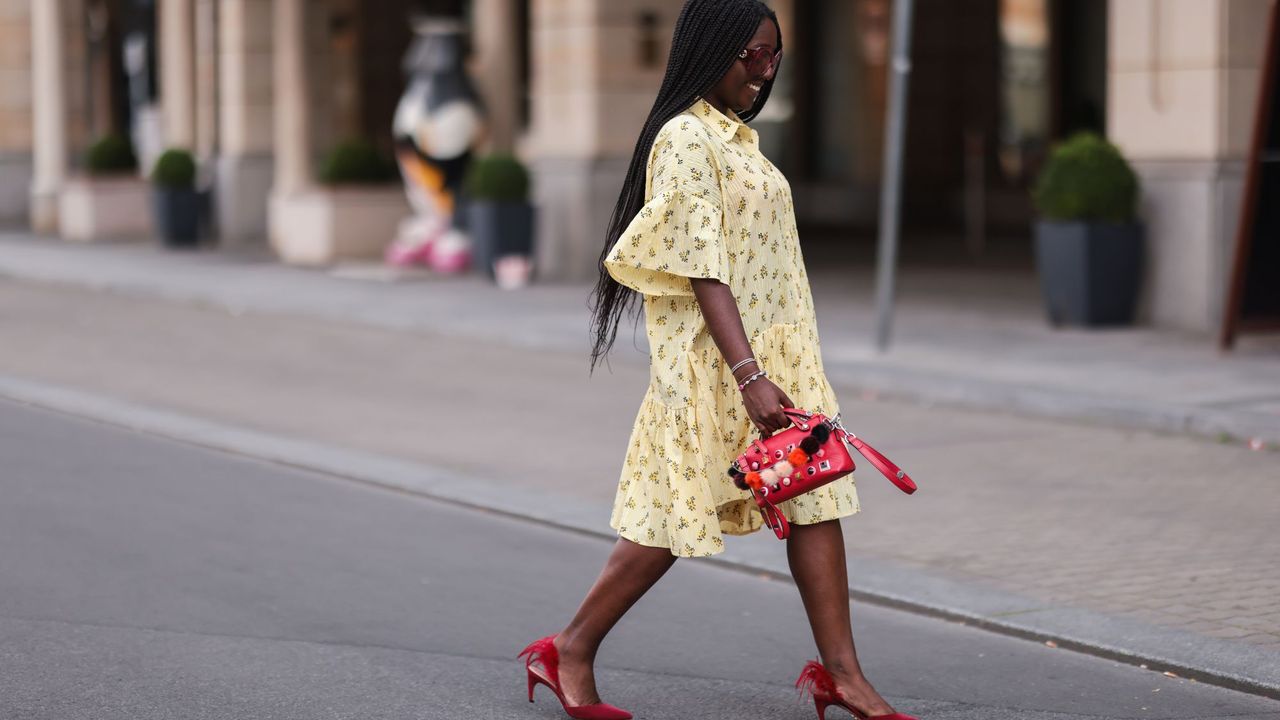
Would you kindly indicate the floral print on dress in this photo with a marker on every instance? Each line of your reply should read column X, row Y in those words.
column 715, row 208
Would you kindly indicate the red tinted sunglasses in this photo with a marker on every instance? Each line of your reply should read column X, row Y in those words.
column 760, row 61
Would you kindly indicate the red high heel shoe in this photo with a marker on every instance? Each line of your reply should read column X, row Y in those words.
column 818, row 682
column 545, row 654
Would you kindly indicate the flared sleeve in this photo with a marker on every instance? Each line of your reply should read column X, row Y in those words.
column 679, row 233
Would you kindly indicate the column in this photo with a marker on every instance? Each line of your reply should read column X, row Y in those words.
column 176, row 39
column 245, row 119
column 15, row 110
column 206, row 79
column 48, row 111
column 593, row 84
column 292, row 130
column 1182, row 92
column 497, row 69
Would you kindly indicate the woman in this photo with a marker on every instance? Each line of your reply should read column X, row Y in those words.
column 704, row 231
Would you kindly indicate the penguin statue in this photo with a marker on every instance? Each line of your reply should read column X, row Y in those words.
column 437, row 125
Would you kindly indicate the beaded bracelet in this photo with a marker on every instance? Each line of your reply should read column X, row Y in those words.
column 734, row 369
column 753, row 378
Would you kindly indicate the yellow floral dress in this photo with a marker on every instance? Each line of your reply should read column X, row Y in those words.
column 715, row 208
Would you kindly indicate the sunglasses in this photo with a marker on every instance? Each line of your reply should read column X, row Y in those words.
column 760, row 61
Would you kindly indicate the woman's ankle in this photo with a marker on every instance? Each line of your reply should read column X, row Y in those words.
column 572, row 648
column 845, row 672
column 856, row 688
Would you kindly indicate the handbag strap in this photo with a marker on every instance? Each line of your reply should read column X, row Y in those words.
column 774, row 518
column 886, row 466
column 796, row 414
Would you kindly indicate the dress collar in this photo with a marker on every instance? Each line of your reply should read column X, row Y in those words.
column 726, row 126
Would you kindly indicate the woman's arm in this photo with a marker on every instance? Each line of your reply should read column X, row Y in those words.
column 763, row 400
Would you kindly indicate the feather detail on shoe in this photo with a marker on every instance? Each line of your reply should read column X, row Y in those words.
column 816, row 681
column 545, row 654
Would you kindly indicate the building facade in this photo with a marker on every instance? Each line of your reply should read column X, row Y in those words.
column 259, row 89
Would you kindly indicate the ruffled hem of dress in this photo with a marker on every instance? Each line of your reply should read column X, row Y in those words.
column 668, row 495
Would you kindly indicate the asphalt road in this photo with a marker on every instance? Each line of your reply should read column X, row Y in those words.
column 141, row 578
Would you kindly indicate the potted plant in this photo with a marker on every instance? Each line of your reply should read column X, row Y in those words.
column 174, row 200
column 354, row 214
column 107, row 201
column 1089, row 245
column 357, row 162
column 111, row 155
column 498, row 214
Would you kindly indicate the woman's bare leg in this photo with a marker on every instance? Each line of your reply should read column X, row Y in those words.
column 816, row 556
column 628, row 574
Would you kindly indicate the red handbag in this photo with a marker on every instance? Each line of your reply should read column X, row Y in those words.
column 806, row 456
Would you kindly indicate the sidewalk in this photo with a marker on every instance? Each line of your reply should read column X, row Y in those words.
column 975, row 340
column 1150, row 547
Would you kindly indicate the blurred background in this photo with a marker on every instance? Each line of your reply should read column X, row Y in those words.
column 566, row 84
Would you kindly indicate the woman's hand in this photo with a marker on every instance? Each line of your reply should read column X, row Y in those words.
column 764, row 402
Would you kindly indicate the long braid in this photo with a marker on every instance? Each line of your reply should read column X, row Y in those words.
column 708, row 37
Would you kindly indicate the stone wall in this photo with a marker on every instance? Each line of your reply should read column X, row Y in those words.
column 15, row 110
column 1184, row 77
column 592, row 87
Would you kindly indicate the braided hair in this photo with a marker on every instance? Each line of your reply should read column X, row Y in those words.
column 708, row 37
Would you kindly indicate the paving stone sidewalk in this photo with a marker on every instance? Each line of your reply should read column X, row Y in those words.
column 1050, row 518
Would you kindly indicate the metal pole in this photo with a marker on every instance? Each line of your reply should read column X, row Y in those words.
column 891, row 188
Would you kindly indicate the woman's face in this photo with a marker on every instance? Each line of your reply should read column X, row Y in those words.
column 738, row 89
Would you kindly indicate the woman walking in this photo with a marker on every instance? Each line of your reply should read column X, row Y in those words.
column 704, row 233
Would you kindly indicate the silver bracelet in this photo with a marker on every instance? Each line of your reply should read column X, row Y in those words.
column 743, row 385
column 734, row 369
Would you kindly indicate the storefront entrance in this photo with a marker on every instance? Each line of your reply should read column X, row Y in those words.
column 994, row 83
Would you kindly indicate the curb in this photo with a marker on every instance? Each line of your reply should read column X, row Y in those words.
column 1219, row 662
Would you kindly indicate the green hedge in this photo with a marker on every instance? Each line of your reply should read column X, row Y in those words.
column 175, row 169
column 1086, row 178
column 110, row 155
column 498, row 178
column 357, row 161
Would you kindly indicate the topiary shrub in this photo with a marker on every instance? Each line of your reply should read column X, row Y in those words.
column 1087, row 179
column 110, row 155
column 497, row 178
column 174, row 170
column 357, row 161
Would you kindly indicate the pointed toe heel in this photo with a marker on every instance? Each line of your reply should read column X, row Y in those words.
column 544, row 653
column 815, row 680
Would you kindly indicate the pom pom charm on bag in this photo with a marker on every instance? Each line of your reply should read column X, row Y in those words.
column 745, row 481
column 783, row 469
column 821, row 432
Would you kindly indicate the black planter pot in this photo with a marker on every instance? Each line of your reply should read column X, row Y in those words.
column 498, row 229
column 1090, row 273
column 177, row 214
